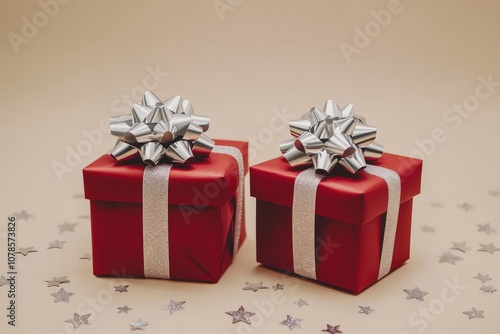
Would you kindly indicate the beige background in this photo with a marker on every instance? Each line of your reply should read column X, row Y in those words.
column 244, row 67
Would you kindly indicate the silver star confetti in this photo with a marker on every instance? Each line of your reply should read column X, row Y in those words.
column 22, row 215
column 474, row 313
column 461, row 246
column 465, row 206
column 241, row 315
column 3, row 280
column 139, row 324
column 278, row 286
column 415, row 293
column 301, row 302
column 121, row 288
column 86, row 256
column 254, row 286
column 486, row 228
column 332, row 329
column 56, row 244
column 62, row 296
column 67, row 227
column 426, row 228
column 55, row 281
column 488, row 288
column 124, row 309
column 490, row 248
column 79, row 320
column 174, row 306
column 291, row 322
column 448, row 257
column 483, row 278
column 25, row 251
column 366, row 310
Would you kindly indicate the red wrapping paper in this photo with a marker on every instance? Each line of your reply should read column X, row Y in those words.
column 202, row 203
column 349, row 224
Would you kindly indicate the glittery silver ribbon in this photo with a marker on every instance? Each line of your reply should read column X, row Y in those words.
column 155, row 214
column 155, row 221
column 236, row 154
column 391, row 221
column 303, row 220
column 303, row 213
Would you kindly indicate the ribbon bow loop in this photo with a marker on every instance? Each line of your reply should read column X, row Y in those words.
column 157, row 129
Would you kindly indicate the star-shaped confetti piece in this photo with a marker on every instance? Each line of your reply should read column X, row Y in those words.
column 56, row 244
column 461, row 246
column 291, row 322
column 121, row 288
column 332, row 329
column 494, row 193
column 488, row 288
column 22, row 215
column 465, row 206
column 241, row 315
column 474, row 313
column 366, row 310
column 55, row 281
column 415, row 293
column 139, row 324
column 3, row 280
column 86, row 256
column 486, row 228
column 174, row 306
column 26, row 251
column 426, row 228
column 79, row 320
column 124, row 309
column 448, row 257
column 69, row 227
column 483, row 278
column 278, row 286
column 490, row 248
column 302, row 302
column 254, row 286
column 62, row 296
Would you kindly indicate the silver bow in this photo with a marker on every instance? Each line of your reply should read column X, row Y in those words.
column 156, row 129
column 323, row 138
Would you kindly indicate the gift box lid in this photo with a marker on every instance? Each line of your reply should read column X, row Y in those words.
column 209, row 182
column 354, row 199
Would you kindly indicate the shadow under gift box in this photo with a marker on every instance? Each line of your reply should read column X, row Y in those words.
column 202, row 200
column 349, row 221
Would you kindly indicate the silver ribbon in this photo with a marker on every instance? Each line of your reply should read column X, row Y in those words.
column 391, row 221
column 155, row 214
column 155, row 221
column 303, row 220
column 236, row 154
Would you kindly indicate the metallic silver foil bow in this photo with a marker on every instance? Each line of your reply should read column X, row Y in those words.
column 156, row 129
column 323, row 138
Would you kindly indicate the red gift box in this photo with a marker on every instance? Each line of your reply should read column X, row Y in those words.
column 202, row 200
column 349, row 219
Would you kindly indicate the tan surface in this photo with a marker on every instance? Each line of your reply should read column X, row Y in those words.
column 256, row 61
